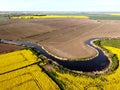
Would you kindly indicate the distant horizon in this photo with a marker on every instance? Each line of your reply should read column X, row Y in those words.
column 62, row 5
column 68, row 11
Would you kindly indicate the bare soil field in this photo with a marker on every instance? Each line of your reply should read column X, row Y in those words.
column 61, row 37
column 7, row 48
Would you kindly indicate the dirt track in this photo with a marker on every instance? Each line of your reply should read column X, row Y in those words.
column 62, row 37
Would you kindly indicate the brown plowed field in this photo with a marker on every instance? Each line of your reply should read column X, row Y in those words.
column 62, row 37
column 7, row 48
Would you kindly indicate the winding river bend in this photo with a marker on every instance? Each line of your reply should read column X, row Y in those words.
column 98, row 63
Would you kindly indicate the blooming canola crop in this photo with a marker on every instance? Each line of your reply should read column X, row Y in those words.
column 115, row 14
column 19, row 71
column 48, row 16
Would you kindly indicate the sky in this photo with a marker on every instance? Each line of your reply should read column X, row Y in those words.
column 60, row 5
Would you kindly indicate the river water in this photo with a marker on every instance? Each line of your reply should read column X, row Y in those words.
column 98, row 63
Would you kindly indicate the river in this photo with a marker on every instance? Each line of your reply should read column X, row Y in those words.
column 98, row 63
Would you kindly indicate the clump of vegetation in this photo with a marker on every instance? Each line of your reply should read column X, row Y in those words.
column 97, row 42
column 115, row 62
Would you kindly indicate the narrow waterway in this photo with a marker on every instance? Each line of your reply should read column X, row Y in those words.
column 98, row 63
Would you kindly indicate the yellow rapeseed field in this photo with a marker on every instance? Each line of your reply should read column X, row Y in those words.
column 17, row 59
column 48, row 16
column 114, row 79
column 72, row 82
column 19, row 71
column 102, row 82
column 29, row 78
column 115, row 14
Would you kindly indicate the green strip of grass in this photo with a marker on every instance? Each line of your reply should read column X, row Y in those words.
column 112, row 43
column 4, row 18
column 103, row 17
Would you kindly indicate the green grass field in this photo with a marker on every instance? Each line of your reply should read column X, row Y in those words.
column 3, row 18
column 104, row 17
column 111, row 42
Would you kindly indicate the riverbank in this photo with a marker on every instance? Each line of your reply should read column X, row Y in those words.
column 94, row 65
column 106, row 54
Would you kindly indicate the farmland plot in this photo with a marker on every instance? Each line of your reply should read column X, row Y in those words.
column 15, row 60
column 47, row 16
column 8, row 48
column 29, row 78
column 19, row 71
